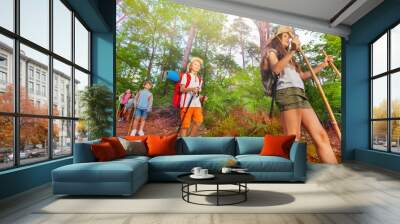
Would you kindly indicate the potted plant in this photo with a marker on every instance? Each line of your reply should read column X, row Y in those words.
column 96, row 102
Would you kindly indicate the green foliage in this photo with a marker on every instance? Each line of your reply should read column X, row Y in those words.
column 153, row 38
column 97, row 112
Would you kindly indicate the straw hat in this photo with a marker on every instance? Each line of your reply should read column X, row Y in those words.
column 196, row 59
column 280, row 30
column 284, row 29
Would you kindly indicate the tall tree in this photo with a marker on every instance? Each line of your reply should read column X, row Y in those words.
column 263, row 31
column 242, row 29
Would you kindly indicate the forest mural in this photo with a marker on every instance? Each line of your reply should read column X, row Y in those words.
column 155, row 37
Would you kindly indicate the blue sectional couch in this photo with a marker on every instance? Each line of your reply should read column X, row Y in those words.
column 125, row 176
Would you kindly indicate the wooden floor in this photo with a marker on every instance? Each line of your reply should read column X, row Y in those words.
column 377, row 188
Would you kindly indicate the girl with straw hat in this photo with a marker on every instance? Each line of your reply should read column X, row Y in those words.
column 291, row 99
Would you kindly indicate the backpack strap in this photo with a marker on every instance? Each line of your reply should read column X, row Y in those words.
column 274, row 84
column 188, row 79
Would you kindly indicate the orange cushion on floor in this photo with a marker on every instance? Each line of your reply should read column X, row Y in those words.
column 161, row 145
column 103, row 151
column 277, row 145
column 136, row 138
column 116, row 145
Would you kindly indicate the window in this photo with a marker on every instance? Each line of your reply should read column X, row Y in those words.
column 81, row 81
column 44, row 91
column 47, row 76
column 62, row 29
column 6, row 73
column 385, row 96
column 81, row 45
column 30, row 87
column 3, row 78
column 30, row 72
column 7, row 14
column 35, row 21
column 6, row 142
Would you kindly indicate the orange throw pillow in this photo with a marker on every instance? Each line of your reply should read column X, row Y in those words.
column 116, row 145
column 161, row 145
column 103, row 151
column 136, row 138
column 277, row 145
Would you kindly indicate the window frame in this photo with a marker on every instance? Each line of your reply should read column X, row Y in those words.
column 388, row 74
column 16, row 114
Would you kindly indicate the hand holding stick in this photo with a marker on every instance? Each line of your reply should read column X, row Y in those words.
column 332, row 65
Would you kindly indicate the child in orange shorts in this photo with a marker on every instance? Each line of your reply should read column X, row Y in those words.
column 190, row 100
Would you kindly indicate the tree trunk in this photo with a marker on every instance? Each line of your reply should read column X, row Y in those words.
column 153, row 51
column 186, row 53
column 242, row 49
column 263, row 28
column 205, row 64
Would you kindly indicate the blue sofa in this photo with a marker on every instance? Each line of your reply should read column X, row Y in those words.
column 125, row 176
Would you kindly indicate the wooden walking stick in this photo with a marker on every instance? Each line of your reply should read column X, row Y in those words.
column 321, row 92
column 338, row 73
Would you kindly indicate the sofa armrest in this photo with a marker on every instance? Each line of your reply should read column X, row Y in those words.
column 83, row 152
column 298, row 155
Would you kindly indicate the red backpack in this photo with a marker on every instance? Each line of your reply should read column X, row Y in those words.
column 176, row 97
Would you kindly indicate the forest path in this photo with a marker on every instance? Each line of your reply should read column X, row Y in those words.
column 161, row 121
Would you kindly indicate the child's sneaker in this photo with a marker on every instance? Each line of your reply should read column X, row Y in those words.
column 133, row 132
column 141, row 133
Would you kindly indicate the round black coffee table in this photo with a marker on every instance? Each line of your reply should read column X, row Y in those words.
column 238, row 179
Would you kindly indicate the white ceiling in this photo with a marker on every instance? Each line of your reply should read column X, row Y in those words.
column 315, row 15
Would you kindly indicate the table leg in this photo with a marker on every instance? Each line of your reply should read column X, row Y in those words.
column 245, row 193
column 196, row 187
column 217, row 194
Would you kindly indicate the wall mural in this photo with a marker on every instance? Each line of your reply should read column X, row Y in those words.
column 203, row 73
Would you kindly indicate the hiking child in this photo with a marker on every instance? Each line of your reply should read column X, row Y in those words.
column 123, row 99
column 143, row 106
column 129, row 106
column 291, row 99
column 190, row 101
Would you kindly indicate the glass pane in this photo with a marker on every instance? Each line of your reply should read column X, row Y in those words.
column 6, row 74
column 395, row 94
column 379, row 55
column 81, row 45
column 7, row 14
column 395, row 138
column 6, row 142
column 379, row 97
column 62, row 138
column 81, row 131
column 33, row 140
column 34, row 81
column 35, row 21
column 81, row 81
column 62, row 29
column 395, row 47
column 62, row 89
column 379, row 135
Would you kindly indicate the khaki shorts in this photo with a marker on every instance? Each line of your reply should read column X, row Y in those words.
column 291, row 98
column 189, row 114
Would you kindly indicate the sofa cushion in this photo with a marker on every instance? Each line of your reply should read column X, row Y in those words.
column 257, row 163
column 116, row 145
column 161, row 145
column 103, row 152
column 112, row 171
column 277, row 145
column 185, row 163
column 249, row 145
column 206, row 145
column 134, row 147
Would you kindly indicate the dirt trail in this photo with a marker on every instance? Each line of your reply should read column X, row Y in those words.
column 161, row 121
